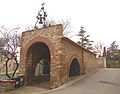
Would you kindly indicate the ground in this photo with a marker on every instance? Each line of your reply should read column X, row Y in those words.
column 102, row 81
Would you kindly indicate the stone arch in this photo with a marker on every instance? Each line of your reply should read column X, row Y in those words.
column 74, row 67
column 38, row 59
column 36, row 41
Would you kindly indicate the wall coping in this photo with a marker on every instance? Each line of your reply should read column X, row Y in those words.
column 4, row 81
column 57, row 25
column 75, row 44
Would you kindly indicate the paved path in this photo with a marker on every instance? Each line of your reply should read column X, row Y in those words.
column 103, row 81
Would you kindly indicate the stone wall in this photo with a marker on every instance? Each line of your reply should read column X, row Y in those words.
column 71, row 50
column 6, row 85
column 11, row 66
column 90, row 61
column 52, row 38
column 101, row 61
column 62, row 52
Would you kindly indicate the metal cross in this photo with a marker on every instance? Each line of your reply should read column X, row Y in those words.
column 41, row 17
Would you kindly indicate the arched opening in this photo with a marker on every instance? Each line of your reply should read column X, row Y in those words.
column 38, row 65
column 74, row 68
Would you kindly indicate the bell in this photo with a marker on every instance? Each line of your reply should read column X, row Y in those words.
column 44, row 18
column 45, row 14
column 40, row 22
column 38, row 17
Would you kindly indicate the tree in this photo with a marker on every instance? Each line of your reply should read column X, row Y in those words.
column 66, row 26
column 42, row 21
column 84, row 39
column 112, row 56
column 112, row 51
column 2, row 43
column 9, row 46
column 98, row 48
column 119, row 55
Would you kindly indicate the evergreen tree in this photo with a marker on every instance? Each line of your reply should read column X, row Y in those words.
column 84, row 39
column 112, row 52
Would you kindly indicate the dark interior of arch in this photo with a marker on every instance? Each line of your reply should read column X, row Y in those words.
column 74, row 68
column 38, row 52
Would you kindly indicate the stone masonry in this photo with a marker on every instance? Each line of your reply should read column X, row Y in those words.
column 62, row 52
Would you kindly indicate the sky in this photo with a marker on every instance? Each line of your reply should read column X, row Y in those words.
column 100, row 18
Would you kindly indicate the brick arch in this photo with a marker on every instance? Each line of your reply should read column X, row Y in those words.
column 70, row 61
column 39, row 39
column 32, row 42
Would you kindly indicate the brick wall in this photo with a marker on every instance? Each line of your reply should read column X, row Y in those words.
column 101, row 61
column 71, row 50
column 6, row 85
column 52, row 38
column 90, row 61
column 62, row 52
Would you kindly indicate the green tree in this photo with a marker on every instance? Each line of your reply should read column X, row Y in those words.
column 119, row 55
column 84, row 41
column 112, row 56
column 112, row 51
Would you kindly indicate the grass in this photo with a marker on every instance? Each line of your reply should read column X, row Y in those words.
column 4, row 74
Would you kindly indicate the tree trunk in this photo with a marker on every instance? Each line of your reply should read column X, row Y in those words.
column 16, row 67
column 7, row 68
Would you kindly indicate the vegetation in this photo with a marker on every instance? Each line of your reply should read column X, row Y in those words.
column 113, row 55
column 66, row 26
column 99, row 48
column 9, row 43
column 84, row 40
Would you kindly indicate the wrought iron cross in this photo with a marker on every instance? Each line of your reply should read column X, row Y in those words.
column 41, row 17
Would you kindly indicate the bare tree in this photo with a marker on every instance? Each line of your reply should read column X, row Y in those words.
column 42, row 21
column 66, row 26
column 29, row 27
column 98, row 48
column 50, row 22
column 11, row 42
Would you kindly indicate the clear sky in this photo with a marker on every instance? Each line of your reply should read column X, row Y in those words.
column 101, row 18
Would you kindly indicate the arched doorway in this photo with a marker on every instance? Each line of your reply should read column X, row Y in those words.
column 74, row 68
column 38, row 60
